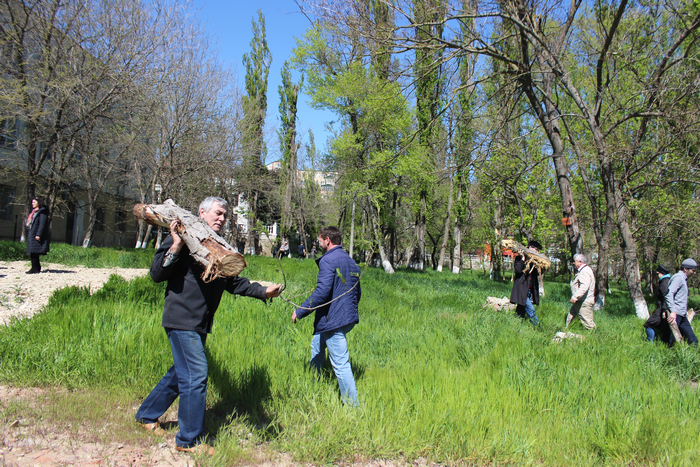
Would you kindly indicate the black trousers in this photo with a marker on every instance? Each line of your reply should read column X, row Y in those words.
column 36, row 266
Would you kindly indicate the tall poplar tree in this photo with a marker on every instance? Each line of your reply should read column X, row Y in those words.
column 252, row 174
column 289, row 95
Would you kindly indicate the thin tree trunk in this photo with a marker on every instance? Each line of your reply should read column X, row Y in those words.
column 421, row 229
column 496, row 256
column 446, row 236
column 379, row 238
column 352, row 227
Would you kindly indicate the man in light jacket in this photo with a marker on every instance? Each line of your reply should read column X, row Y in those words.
column 677, row 300
column 582, row 294
column 335, row 303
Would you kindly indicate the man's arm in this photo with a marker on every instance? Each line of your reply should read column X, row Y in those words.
column 673, row 286
column 242, row 286
column 167, row 255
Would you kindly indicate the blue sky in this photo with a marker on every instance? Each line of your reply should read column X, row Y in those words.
column 228, row 22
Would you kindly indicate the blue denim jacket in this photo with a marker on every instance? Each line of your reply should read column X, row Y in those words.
column 337, row 274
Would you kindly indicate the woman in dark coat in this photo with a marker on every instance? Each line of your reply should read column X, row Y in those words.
column 526, row 286
column 38, row 233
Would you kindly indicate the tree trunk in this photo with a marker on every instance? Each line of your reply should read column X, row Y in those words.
column 379, row 238
column 496, row 256
column 140, row 233
column 218, row 258
column 352, row 227
column 457, row 252
column 147, row 237
column 421, row 229
column 446, row 236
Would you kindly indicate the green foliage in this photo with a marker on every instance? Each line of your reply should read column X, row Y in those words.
column 13, row 251
column 78, row 256
column 439, row 377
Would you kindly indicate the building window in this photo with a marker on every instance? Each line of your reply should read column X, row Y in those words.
column 8, row 133
column 7, row 197
column 100, row 220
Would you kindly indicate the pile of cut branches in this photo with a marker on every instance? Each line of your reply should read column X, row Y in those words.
column 532, row 259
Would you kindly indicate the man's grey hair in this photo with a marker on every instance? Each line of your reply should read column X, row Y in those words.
column 580, row 257
column 208, row 203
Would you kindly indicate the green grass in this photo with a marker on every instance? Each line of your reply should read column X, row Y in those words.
column 74, row 255
column 439, row 377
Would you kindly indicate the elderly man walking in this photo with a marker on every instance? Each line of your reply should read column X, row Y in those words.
column 188, row 315
column 677, row 300
column 582, row 294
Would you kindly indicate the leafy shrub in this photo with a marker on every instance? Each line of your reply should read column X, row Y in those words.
column 13, row 251
column 92, row 257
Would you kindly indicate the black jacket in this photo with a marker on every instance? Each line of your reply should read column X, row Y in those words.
column 661, row 292
column 524, row 281
column 39, row 227
column 190, row 303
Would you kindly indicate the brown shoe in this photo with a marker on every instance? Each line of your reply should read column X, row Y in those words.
column 198, row 450
column 153, row 428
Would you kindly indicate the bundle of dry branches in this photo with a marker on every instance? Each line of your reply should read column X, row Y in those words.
column 533, row 260
column 218, row 258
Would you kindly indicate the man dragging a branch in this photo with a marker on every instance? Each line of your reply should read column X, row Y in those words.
column 335, row 302
column 188, row 314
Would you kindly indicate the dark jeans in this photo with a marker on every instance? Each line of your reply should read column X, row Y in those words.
column 686, row 329
column 187, row 378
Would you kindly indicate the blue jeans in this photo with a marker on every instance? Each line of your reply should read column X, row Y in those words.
column 187, row 378
column 527, row 310
column 336, row 343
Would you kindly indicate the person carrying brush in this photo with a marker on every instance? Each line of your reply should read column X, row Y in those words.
column 526, row 285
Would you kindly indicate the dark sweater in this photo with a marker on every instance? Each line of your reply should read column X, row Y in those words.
column 190, row 303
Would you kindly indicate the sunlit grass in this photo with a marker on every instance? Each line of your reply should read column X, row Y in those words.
column 439, row 377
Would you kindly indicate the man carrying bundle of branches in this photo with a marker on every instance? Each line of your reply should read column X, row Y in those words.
column 191, row 299
column 526, row 285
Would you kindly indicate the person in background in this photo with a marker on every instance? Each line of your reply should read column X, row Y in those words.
column 526, row 286
column 284, row 249
column 657, row 322
column 582, row 294
column 188, row 316
column 38, row 233
column 677, row 300
column 337, row 296
column 301, row 250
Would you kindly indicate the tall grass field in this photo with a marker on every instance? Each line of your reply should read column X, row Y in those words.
column 440, row 378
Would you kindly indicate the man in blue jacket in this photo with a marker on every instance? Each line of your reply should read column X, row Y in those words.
column 188, row 315
column 335, row 302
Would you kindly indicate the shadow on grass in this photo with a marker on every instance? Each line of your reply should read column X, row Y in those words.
column 241, row 397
